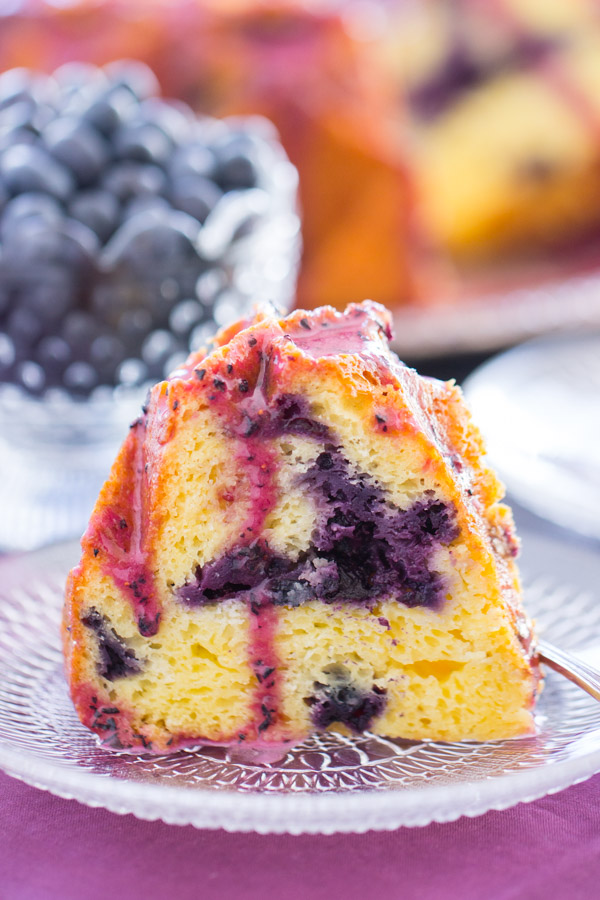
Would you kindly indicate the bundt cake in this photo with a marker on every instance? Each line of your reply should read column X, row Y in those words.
column 300, row 533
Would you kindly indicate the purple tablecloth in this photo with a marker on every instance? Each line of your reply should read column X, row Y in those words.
column 53, row 849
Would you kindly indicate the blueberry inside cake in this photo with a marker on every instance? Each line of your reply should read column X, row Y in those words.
column 300, row 534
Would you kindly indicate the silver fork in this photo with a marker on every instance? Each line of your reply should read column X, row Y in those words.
column 582, row 674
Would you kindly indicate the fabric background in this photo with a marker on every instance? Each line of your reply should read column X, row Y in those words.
column 52, row 849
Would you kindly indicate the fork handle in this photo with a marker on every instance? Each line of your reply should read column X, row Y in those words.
column 577, row 671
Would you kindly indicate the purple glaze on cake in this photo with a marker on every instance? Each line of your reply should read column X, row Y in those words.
column 287, row 414
column 346, row 334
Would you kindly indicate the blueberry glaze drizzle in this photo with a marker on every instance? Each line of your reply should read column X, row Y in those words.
column 117, row 539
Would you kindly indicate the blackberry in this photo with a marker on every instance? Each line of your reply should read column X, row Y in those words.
column 104, row 191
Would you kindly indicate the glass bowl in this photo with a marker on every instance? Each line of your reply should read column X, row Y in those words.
column 56, row 450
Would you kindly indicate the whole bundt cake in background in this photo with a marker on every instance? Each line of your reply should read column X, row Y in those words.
column 300, row 533
column 503, row 106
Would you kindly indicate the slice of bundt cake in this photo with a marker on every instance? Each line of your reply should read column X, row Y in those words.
column 300, row 533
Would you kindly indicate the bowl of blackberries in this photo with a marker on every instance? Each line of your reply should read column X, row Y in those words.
column 131, row 229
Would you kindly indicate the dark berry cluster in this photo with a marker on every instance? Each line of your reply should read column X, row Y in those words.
column 104, row 191
column 341, row 701
column 116, row 660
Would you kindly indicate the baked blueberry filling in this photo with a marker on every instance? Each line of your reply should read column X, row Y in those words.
column 363, row 547
column 461, row 71
column 116, row 659
column 376, row 547
column 344, row 703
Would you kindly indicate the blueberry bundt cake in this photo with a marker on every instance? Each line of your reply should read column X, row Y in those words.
column 299, row 533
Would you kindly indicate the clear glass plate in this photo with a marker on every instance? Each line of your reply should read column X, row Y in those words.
column 538, row 407
column 329, row 783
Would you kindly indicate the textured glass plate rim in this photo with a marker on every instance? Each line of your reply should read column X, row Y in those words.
column 309, row 814
column 264, row 813
column 498, row 319
column 329, row 813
